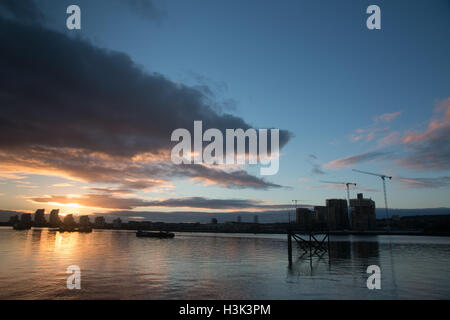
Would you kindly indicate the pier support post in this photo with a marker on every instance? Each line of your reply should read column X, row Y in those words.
column 289, row 236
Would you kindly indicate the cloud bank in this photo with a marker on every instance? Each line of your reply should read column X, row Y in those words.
column 72, row 109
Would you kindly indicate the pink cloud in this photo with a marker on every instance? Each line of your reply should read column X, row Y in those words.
column 355, row 159
column 435, row 125
column 387, row 117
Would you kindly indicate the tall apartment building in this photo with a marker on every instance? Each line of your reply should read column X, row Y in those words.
column 304, row 217
column 337, row 214
column 39, row 218
column 25, row 219
column 84, row 221
column 53, row 219
column 363, row 213
column 321, row 216
column 99, row 222
column 69, row 220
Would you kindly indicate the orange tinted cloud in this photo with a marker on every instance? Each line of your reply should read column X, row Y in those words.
column 434, row 126
column 355, row 159
column 111, row 202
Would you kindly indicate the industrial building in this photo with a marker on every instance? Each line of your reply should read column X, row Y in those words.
column 363, row 213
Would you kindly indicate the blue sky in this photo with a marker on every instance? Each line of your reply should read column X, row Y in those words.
column 310, row 67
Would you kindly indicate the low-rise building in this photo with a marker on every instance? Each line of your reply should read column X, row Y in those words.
column 13, row 220
column 117, row 223
column 99, row 222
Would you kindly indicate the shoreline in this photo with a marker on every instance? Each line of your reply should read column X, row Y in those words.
column 276, row 232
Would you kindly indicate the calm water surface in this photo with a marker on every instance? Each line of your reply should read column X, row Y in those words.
column 117, row 265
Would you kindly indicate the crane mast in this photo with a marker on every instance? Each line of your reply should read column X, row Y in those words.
column 347, row 184
column 383, row 178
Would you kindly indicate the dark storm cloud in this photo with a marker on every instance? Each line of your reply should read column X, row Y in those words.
column 22, row 10
column 71, row 107
column 63, row 92
column 234, row 179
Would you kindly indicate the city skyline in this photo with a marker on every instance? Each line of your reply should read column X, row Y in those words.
column 87, row 114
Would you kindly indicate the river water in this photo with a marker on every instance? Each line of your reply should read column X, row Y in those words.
column 117, row 265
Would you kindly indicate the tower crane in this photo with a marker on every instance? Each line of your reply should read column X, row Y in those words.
column 383, row 178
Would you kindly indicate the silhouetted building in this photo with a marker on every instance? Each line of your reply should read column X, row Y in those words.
column 99, row 222
column 117, row 223
column 84, row 221
column 304, row 217
column 25, row 219
column 321, row 215
column 69, row 220
column 255, row 219
column 363, row 213
column 337, row 214
column 39, row 218
column 431, row 224
column 213, row 221
column 239, row 219
column 53, row 219
column 13, row 220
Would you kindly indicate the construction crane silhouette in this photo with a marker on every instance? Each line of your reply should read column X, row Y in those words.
column 383, row 178
column 347, row 184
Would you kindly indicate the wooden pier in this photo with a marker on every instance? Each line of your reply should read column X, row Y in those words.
column 313, row 242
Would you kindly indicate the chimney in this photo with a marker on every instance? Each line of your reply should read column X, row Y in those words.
column 360, row 196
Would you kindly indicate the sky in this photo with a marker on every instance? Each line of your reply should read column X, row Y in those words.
column 86, row 115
